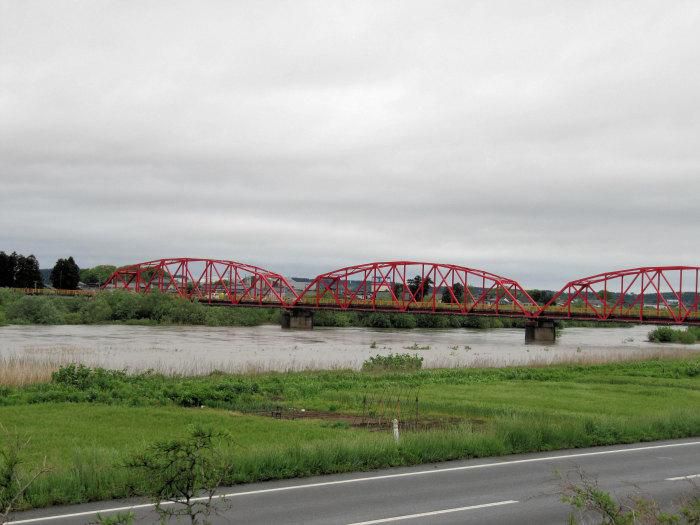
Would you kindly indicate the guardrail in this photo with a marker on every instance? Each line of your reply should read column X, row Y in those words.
column 55, row 291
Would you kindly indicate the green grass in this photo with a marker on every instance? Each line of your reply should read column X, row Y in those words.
column 393, row 362
column 86, row 422
column 86, row 444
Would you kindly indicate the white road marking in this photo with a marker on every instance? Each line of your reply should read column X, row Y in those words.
column 434, row 513
column 679, row 478
column 371, row 478
column 86, row 513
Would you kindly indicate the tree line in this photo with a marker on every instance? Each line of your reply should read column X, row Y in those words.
column 18, row 271
column 421, row 287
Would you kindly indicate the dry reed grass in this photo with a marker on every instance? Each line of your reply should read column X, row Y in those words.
column 21, row 371
column 583, row 358
column 38, row 366
column 247, row 367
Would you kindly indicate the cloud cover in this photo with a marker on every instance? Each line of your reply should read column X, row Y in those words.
column 539, row 140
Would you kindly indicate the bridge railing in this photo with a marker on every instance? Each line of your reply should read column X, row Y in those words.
column 55, row 291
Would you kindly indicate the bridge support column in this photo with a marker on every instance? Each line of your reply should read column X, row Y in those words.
column 298, row 319
column 540, row 331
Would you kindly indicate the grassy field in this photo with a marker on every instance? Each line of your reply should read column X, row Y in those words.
column 88, row 422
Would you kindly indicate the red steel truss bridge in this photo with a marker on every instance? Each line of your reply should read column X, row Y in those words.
column 656, row 294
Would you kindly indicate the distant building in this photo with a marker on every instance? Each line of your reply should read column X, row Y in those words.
column 297, row 284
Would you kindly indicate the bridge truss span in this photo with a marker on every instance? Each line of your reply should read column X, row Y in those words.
column 207, row 280
column 667, row 295
column 417, row 287
column 651, row 294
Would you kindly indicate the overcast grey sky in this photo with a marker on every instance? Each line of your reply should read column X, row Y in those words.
column 539, row 140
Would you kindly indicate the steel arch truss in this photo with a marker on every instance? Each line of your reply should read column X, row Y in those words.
column 661, row 295
column 207, row 280
column 418, row 287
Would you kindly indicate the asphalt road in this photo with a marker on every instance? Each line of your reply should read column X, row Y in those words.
column 513, row 489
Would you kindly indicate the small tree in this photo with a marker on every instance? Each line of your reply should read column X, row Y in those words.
column 420, row 287
column 541, row 296
column 13, row 484
column 457, row 291
column 65, row 274
column 182, row 475
column 585, row 495
column 607, row 297
column 97, row 275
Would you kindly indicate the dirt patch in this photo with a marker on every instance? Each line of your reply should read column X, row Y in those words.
column 373, row 422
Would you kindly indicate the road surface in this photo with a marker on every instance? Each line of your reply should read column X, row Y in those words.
column 512, row 489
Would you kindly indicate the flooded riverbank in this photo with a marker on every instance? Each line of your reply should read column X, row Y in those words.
column 198, row 350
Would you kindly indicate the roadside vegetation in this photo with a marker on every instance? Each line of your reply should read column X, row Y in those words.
column 591, row 502
column 285, row 425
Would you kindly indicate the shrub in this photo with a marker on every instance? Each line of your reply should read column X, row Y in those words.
column 77, row 376
column 185, row 312
column 84, row 378
column 589, row 499
column 378, row 320
column 432, row 321
column 220, row 317
column 96, row 311
column 476, row 322
column 72, row 318
column 393, row 362
column 666, row 334
column 184, row 471
column 34, row 310
column 124, row 306
column 15, row 481
column 7, row 296
column 403, row 321
column 686, row 337
column 335, row 319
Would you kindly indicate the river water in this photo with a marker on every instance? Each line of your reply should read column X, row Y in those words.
column 198, row 350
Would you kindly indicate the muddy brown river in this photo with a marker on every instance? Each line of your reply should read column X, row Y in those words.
column 198, row 350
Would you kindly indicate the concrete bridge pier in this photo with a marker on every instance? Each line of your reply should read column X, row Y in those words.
column 298, row 319
column 540, row 331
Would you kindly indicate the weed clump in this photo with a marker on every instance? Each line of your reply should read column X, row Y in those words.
column 393, row 362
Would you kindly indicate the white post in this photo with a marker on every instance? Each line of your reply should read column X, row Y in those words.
column 396, row 429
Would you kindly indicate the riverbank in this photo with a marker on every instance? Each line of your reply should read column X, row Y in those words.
column 156, row 309
column 88, row 422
